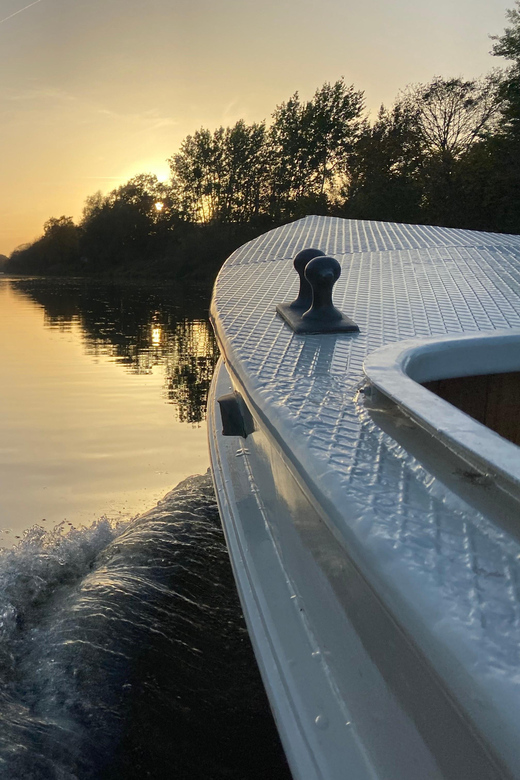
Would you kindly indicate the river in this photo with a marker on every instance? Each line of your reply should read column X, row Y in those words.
column 123, row 651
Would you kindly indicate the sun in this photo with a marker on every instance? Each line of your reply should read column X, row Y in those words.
column 163, row 174
column 161, row 170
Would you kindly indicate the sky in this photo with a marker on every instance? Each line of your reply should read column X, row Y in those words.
column 93, row 92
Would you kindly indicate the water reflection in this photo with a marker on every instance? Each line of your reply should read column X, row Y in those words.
column 139, row 327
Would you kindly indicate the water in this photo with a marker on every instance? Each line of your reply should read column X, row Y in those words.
column 123, row 651
column 102, row 399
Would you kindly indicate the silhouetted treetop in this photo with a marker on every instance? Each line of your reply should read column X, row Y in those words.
column 450, row 115
column 508, row 44
column 220, row 176
column 309, row 144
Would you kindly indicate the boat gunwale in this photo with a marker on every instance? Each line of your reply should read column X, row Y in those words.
column 398, row 370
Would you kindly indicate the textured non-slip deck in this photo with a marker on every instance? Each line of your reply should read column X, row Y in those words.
column 455, row 565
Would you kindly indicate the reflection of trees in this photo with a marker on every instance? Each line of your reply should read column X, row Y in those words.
column 139, row 327
column 190, row 367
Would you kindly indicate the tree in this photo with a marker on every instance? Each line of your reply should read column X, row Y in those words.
column 383, row 167
column 449, row 117
column 309, row 146
column 132, row 221
column 220, row 176
column 59, row 225
column 243, row 174
column 504, row 148
column 154, row 200
column 60, row 242
column 508, row 45
column 93, row 204
column 193, row 169
column 57, row 251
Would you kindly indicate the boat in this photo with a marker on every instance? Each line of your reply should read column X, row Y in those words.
column 368, row 482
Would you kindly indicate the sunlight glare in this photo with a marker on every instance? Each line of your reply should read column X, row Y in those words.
column 200, row 344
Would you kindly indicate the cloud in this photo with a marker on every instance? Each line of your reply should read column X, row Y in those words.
column 43, row 94
column 53, row 104
column 144, row 121
column 19, row 11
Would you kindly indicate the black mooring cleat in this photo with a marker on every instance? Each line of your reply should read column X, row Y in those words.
column 321, row 316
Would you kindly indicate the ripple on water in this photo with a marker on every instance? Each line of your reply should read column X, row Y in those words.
column 124, row 653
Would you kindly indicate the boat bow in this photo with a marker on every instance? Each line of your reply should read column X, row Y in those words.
column 377, row 566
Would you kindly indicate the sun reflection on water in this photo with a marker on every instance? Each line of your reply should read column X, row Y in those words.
column 139, row 328
column 156, row 335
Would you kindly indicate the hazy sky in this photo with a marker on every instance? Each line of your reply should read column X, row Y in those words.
column 95, row 91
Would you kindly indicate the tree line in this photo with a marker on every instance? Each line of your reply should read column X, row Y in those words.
column 446, row 153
